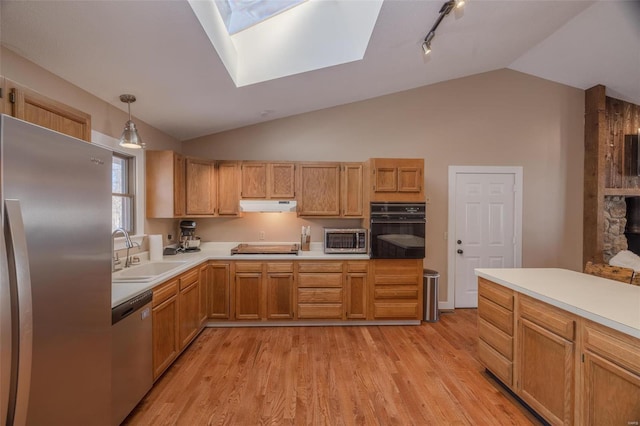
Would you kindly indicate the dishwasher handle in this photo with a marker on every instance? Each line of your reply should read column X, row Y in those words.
column 127, row 308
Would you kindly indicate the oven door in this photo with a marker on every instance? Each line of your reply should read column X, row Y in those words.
column 397, row 239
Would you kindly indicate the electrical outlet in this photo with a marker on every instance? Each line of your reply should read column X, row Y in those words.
column 169, row 237
column 261, row 235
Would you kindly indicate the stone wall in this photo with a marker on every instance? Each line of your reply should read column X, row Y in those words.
column 615, row 221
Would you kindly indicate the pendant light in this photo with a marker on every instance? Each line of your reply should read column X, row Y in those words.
column 130, row 137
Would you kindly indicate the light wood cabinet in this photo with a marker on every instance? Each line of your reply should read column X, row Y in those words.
column 248, row 290
column 496, row 329
column 261, row 180
column 165, row 326
column 397, row 288
column 35, row 108
column 280, row 289
column 318, row 189
column 205, row 282
column 228, row 173
column 320, row 290
column 352, row 190
column 611, row 376
column 201, row 188
column 164, row 184
column 189, row 307
column 218, row 292
column 396, row 179
column 356, row 290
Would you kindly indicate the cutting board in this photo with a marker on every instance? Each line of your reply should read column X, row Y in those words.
column 265, row 249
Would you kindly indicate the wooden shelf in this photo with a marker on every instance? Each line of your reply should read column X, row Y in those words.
column 627, row 192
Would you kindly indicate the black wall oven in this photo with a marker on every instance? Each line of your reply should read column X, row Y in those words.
column 398, row 230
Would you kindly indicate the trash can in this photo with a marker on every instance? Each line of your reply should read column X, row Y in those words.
column 430, row 291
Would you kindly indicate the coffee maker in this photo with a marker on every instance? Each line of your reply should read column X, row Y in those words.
column 188, row 239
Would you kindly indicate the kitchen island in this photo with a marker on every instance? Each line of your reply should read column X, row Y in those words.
column 567, row 343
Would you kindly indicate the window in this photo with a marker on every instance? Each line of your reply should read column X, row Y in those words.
column 122, row 192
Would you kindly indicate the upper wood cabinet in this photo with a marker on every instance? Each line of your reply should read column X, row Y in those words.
column 268, row 180
column 165, row 184
column 228, row 188
column 35, row 108
column 397, row 179
column 352, row 190
column 318, row 189
column 201, row 195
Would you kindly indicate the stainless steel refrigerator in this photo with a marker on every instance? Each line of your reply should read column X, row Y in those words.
column 55, row 278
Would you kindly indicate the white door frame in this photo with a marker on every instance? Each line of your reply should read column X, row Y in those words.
column 451, row 237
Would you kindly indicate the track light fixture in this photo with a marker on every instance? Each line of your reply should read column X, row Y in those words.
column 446, row 8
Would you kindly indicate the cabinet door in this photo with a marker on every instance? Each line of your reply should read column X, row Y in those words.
column 409, row 179
column 254, row 180
column 38, row 109
column 385, row 179
column 218, row 291
column 165, row 334
column 248, row 289
column 546, row 372
column 356, row 296
column 228, row 188
column 179, row 186
column 189, row 307
column 611, row 393
column 280, row 295
column 352, row 190
column 319, row 189
column 201, row 187
column 281, row 181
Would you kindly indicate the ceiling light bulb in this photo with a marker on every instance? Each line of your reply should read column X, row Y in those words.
column 460, row 3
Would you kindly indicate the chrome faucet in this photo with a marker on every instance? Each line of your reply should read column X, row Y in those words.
column 115, row 262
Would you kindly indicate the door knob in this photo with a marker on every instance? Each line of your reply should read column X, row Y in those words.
column 460, row 251
column 459, row 241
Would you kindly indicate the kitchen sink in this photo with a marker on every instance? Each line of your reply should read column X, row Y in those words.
column 144, row 272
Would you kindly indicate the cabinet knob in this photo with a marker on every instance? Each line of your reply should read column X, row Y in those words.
column 460, row 251
column 459, row 241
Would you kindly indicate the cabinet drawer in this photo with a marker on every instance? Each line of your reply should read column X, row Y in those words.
column 320, row 267
column 358, row 266
column 395, row 310
column 497, row 339
column 320, row 310
column 399, row 292
column 280, row 267
column 496, row 293
column 617, row 347
column 500, row 317
column 164, row 292
column 496, row 363
column 320, row 295
column 189, row 278
column 320, row 280
column 248, row 267
column 553, row 319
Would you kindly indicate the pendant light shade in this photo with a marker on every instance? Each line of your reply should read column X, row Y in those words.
column 130, row 137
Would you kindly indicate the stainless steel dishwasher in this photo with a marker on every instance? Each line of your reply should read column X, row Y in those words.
column 132, row 369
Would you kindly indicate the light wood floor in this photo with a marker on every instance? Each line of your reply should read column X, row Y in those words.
column 374, row 375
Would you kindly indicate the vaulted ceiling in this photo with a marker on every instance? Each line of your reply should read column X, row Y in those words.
column 158, row 51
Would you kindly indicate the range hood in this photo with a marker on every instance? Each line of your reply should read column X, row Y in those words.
column 268, row 205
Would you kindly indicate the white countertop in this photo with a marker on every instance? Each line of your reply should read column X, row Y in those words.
column 123, row 291
column 607, row 302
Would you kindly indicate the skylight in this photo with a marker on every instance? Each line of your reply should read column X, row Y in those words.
column 242, row 14
column 310, row 35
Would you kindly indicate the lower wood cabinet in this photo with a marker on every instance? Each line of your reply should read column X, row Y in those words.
column 165, row 326
column 570, row 370
column 248, row 290
column 356, row 286
column 280, row 285
column 397, row 288
column 320, row 290
column 219, row 290
column 176, row 318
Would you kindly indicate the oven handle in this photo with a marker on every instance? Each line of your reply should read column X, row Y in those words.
column 383, row 221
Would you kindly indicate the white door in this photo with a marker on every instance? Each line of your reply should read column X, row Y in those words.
column 485, row 229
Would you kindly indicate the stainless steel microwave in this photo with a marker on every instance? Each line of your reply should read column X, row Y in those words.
column 345, row 240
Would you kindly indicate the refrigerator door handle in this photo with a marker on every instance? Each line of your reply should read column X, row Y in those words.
column 5, row 331
column 18, row 262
